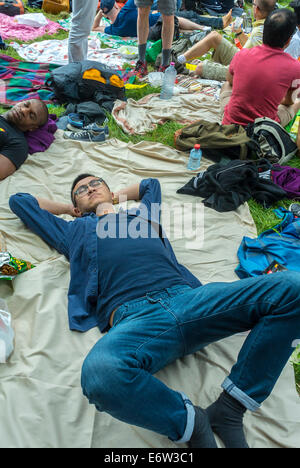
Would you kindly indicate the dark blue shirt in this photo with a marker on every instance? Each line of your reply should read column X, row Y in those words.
column 126, row 21
column 106, row 271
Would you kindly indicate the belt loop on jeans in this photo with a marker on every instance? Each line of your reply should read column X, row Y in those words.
column 156, row 296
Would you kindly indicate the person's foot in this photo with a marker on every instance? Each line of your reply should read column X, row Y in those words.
column 295, row 209
column 226, row 419
column 202, row 436
column 141, row 69
column 227, row 19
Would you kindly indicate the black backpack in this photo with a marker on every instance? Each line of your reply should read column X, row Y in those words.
column 271, row 141
column 264, row 138
column 87, row 81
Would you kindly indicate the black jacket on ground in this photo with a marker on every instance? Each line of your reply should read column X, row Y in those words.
column 226, row 187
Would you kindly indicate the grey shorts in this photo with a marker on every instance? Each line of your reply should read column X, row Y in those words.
column 165, row 7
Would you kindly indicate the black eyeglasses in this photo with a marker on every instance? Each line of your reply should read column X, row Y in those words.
column 83, row 189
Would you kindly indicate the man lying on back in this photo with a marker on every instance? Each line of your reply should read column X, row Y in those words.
column 24, row 117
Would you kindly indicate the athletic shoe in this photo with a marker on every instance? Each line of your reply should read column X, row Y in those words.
column 141, row 68
column 162, row 68
column 295, row 209
column 85, row 135
column 93, row 127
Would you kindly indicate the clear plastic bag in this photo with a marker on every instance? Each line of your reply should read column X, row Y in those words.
column 6, row 333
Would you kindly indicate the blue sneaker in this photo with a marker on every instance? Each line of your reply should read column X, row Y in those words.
column 85, row 135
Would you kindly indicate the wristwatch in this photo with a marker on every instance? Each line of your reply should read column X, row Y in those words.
column 237, row 34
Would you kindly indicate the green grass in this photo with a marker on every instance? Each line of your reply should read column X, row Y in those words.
column 263, row 218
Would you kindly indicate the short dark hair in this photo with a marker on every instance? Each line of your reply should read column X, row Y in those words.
column 296, row 6
column 44, row 113
column 78, row 179
column 279, row 27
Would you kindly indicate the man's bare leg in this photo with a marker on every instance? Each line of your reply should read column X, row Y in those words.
column 211, row 41
column 143, row 30
column 143, row 33
column 167, row 35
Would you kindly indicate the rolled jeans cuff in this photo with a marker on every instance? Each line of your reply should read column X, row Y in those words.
column 190, row 420
column 239, row 395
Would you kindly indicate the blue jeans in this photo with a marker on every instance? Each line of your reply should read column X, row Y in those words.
column 178, row 5
column 214, row 23
column 153, row 331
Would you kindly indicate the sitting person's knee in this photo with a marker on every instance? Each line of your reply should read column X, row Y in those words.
column 215, row 38
column 199, row 69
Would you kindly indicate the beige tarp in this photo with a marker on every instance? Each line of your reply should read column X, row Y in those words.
column 41, row 403
column 139, row 117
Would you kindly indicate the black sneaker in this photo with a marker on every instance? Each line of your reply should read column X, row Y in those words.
column 93, row 127
column 141, row 69
column 85, row 135
column 295, row 209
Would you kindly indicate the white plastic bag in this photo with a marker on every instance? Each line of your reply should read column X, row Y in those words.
column 36, row 20
column 6, row 333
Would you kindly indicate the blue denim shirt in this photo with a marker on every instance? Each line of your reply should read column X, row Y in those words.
column 78, row 241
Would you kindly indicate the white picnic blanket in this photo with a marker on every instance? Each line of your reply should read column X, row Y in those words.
column 41, row 402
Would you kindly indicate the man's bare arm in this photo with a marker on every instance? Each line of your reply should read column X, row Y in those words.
column 7, row 168
column 288, row 100
column 97, row 21
column 56, row 208
column 229, row 77
column 129, row 193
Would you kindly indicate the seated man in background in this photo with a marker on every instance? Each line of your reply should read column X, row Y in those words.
column 224, row 51
column 124, row 20
column 264, row 81
column 24, row 117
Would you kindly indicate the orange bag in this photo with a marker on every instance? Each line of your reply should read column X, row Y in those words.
column 56, row 6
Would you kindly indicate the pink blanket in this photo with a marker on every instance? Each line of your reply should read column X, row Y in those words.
column 11, row 29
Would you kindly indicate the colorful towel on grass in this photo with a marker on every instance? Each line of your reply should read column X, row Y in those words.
column 11, row 29
column 56, row 51
column 113, row 42
column 20, row 81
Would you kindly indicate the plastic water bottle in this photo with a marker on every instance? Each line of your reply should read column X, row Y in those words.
column 195, row 158
column 247, row 23
column 168, row 82
column 238, row 23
